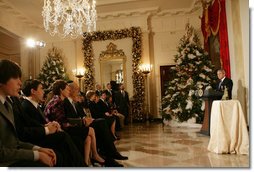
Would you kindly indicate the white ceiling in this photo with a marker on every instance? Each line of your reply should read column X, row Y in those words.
column 29, row 13
column 31, row 9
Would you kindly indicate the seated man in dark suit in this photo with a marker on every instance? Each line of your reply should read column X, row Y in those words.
column 102, row 110
column 103, row 134
column 224, row 82
column 14, row 152
column 35, row 129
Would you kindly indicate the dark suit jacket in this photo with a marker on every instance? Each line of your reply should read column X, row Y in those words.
column 110, row 93
column 11, row 148
column 70, row 113
column 32, row 112
column 28, row 129
column 98, row 92
column 228, row 83
column 80, row 111
column 122, row 103
column 102, row 108
column 95, row 112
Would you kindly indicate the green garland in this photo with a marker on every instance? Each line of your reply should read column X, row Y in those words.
column 138, row 78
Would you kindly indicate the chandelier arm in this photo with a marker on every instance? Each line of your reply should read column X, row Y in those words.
column 67, row 18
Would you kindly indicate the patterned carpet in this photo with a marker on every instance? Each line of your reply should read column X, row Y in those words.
column 152, row 145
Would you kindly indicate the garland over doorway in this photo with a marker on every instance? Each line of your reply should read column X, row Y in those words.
column 138, row 79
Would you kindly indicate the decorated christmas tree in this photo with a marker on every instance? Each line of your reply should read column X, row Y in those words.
column 53, row 68
column 193, row 73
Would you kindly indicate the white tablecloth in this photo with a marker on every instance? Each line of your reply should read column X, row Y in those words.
column 228, row 129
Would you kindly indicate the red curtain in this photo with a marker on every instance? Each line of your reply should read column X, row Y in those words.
column 205, row 28
column 214, row 11
column 223, row 33
column 214, row 22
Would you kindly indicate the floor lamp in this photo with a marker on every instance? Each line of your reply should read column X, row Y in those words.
column 146, row 69
column 79, row 73
column 79, row 80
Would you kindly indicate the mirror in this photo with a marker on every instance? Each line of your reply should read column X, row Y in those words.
column 112, row 65
column 137, row 78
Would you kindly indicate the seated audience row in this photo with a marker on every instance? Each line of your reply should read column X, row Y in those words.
column 65, row 131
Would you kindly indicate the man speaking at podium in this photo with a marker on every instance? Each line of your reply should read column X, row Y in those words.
column 224, row 82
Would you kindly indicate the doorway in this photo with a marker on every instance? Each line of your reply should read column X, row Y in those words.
column 167, row 74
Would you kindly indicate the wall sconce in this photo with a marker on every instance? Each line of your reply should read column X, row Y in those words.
column 32, row 43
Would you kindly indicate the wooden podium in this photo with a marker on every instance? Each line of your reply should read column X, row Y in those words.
column 209, row 96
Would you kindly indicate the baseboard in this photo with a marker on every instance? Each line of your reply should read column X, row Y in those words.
column 156, row 120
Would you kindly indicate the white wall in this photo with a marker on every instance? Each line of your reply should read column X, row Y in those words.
column 238, row 33
column 245, row 26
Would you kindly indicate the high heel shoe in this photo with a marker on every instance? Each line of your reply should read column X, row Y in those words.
column 94, row 161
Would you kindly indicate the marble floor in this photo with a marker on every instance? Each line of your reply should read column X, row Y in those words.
column 152, row 145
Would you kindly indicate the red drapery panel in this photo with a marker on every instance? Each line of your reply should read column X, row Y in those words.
column 223, row 33
column 214, row 21
column 205, row 28
column 214, row 16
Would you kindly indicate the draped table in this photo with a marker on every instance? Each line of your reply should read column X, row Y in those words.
column 228, row 130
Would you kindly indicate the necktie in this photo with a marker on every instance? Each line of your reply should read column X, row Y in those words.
column 9, row 100
column 6, row 105
column 74, row 106
column 123, row 93
column 220, row 84
column 105, row 102
column 41, row 113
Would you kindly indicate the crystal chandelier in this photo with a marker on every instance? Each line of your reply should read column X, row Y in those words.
column 67, row 17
